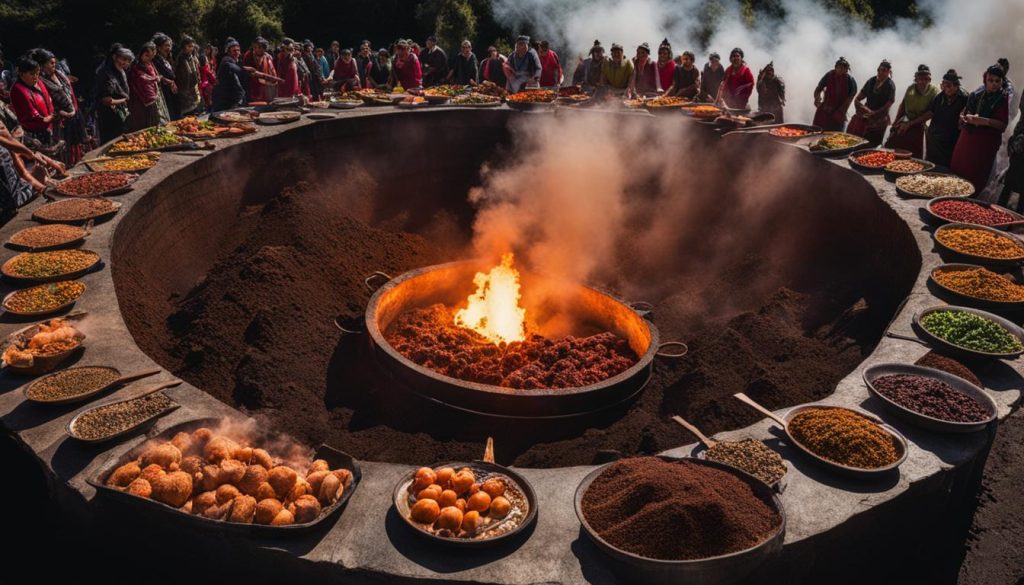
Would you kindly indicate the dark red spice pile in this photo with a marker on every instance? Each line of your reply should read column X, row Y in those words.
column 970, row 212
column 676, row 510
column 430, row 337
column 948, row 364
column 930, row 397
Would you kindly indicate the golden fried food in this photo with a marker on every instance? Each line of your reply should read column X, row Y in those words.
column 344, row 475
column 124, row 475
column 231, row 471
column 425, row 511
column 425, row 476
column 202, row 436
column 211, row 477
column 217, row 512
column 282, row 479
column 151, row 473
column 140, row 487
column 183, row 441
column 305, row 509
column 470, row 520
column 243, row 454
column 264, row 492
column 300, row 489
column 218, row 449
column 267, row 510
column 187, row 508
column 461, row 505
column 163, row 455
column 448, row 498
column 203, row 501
column 192, row 465
column 318, row 465
column 262, row 457
column 316, row 479
column 243, row 509
column 479, row 502
column 450, row 519
column 462, row 481
column 494, row 487
column 431, row 492
column 330, row 490
column 173, row 488
column 227, row 492
column 254, row 476
column 283, row 518
column 500, row 508
column 444, row 476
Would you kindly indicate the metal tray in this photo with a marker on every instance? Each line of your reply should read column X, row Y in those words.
column 46, row 363
column 912, row 195
column 980, row 259
column 813, row 131
column 937, row 219
column 922, row 420
column 3, row 304
column 722, row 569
column 228, row 116
column 837, row 151
column 67, row 244
column 984, row 303
column 893, row 175
column 940, row 343
column 120, row 381
column 5, row 270
column 115, row 207
column 852, row 160
column 400, row 497
column 336, row 459
column 116, row 191
column 69, row 428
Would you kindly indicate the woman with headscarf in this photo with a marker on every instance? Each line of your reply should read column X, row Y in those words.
column 666, row 65
column 944, row 115
column 908, row 129
column 872, row 105
column 588, row 71
column 112, row 93
column 644, row 81
column 168, row 83
column 840, row 88
column 32, row 103
column 69, row 124
column 711, row 78
column 522, row 68
column 186, row 75
column 738, row 83
column 771, row 93
column 981, row 130
column 145, row 84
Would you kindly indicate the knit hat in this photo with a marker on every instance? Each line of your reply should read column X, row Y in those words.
column 230, row 43
column 616, row 47
column 597, row 47
column 923, row 70
column 523, row 39
column 644, row 47
column 665, row 45
column 885, row 64
column 952, row 77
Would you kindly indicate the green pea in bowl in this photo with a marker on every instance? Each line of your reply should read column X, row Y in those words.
column 962, row 334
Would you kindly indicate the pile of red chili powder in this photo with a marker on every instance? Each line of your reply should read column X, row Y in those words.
column 430, row 337
column 676, row 510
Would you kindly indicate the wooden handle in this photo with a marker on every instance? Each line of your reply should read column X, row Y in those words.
column 155, row 389
column 489, row 450
column 750, row 402
column 708, row 442
column 137, row 376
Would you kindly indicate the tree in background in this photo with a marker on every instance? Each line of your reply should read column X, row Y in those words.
column 455, row 22
column 242, row 19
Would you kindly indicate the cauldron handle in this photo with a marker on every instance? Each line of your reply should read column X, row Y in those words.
column 369, row 280
column 642, row 307
column 346, row 327
column 675, row 355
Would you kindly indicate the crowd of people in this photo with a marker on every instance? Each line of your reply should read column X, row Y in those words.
column 48, row 125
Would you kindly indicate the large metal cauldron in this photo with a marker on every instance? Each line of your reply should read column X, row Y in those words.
column 451, row 284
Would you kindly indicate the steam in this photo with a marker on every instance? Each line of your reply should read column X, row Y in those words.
column 967, row 37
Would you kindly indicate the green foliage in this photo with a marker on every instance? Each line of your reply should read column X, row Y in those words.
column 455, row 22
column 243, row 20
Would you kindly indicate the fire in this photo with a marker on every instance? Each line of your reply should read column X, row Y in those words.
column 493, row 310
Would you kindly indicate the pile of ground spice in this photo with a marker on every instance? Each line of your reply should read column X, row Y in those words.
column 676, row 510
column 430, row 338
column 844, row 437
column 948, row 364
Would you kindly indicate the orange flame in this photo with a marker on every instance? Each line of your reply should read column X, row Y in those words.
column 493, row 310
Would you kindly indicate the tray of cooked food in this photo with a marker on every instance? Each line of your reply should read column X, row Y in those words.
column 40, row 348
column 836, row 143
column 442, row 93
column 475, row 100
column 151, row 139
column 665, row 103
column 76, row 211
column 135, row 163
column 929, row 185
column 530, row 99
column 43, row 299
column 48, row 237
column 193, row 127
column 99, row 184
column 344, row 102
column 794, row 131
column 703, row 111
column 49, row 266
column 239, row 116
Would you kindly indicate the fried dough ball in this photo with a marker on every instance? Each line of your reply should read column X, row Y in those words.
column 305, row 509
column 187, row 508
column 261, row 457
column 124, row 475
column 255, row 475
column 431, row 492
column 479, row 502
column 217, row 512
column 318, row 465
column 424, row 477
column 283, row 518
column 203, row 501
column 201, row 436
column 450, row 519
column 282, row 479
column 315, row 479
column 470, row 520
column 344, row 475
column 192, row 465
column 462, row 481
column 211, row 477
column 474, row 488
column 173, row 489
column 267, row 510
column 243, row 509
column 152, row 472
column 302, row 488
column 264, row 492
column 218, row 449
column 330, row 490
column 499, row 508
column 231, row 471
column 183, row 441
column 444, row 476
column 243, row 454
column 227, row 492
column 163, row 455
column 425, row 511
column 448, row 498
column 461, row 505
column 494, row 487
column 140, row 487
